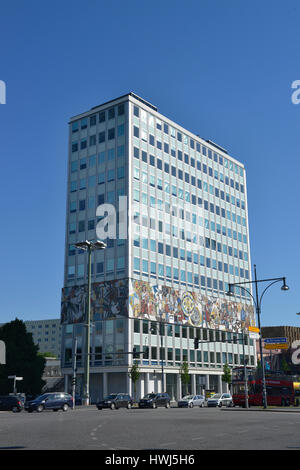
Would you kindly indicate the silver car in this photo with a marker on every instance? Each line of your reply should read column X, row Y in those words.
column 220, row 399
column 189, row 401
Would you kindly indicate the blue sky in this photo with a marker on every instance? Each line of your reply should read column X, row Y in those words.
column 221, row 69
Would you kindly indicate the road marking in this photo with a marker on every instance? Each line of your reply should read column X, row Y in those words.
column 197, row 438
column 167, row 444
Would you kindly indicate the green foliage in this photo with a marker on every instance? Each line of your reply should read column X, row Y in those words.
column 22, row 360
column 286, row 368
column 134, row 374
column 226, row 377
column 46, row 354
column 185, row 376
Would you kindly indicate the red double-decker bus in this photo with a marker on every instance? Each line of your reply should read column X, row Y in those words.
column 280, row 392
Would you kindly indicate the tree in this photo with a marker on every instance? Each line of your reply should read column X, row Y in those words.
column 22, row 360
column 134, row 374
column 226, row 377
column 185, row 376
column 286, row 368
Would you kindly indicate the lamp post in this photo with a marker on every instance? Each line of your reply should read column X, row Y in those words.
column 257, row 302
column 89, row 247
column 162, row 352
column 245, row 372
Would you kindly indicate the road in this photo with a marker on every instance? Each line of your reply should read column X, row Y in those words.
column 86, row 428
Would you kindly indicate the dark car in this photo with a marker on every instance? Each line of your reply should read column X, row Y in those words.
column 11, row 403
column 50, row 401
column 153, row 400
column 115, row 401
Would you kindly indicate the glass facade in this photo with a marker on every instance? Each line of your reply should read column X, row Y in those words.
column 187, row 235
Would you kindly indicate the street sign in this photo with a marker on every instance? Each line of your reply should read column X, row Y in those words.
column 276, row 346
column 253, row 329
column 253, row 335
column 275, row 340
column 276, row 343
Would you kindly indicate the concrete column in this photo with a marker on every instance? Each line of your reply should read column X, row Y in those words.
column 179, row 387
column 161, row 382
column 129, row 385
column 193, row 384
column 207, row 382
column 105, row 390
column 219, row 383
column 146, row 383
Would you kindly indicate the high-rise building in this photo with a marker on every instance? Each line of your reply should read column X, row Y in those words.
column 172, row 209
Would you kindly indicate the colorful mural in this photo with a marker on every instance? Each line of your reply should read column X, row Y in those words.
column 108, row 299
column 139, row 299
column 190, row 308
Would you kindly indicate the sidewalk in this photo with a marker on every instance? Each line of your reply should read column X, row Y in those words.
column 281, row 409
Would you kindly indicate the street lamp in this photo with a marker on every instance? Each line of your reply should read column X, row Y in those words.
column 89, row 247
column 257, row 302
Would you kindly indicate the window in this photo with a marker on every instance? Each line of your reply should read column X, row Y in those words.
column 102, row 116
column 81, row 226
column 121, row 172
column 101, row 137
column 83, row 144
column 111, row 133
column 121, row 130
column 83, row 123
column 92, row 140
column 145, row 266
column 111, row 113
column 121, row 109
column 111, row 154
column 111, row 175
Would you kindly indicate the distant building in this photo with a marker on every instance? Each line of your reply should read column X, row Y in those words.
column 46, row 334
column 280, row 359
column 292, row 333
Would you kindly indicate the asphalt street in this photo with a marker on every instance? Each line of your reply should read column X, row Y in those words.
column 86, row 428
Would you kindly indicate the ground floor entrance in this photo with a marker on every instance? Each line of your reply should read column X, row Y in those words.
column 105, row 382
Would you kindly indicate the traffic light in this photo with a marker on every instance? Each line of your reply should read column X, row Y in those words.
column 196, row 343
column 73, row 381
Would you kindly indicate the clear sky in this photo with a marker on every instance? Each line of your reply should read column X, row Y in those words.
column 220, row 69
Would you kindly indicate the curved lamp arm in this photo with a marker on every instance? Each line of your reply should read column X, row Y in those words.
column 244, row 288
column 277, row 280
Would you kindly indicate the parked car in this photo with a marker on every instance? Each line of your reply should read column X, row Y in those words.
column 153, row 400
column 11, row 403
column 115, row 401
column 50, row 401
column 189, row 401
column 220, row 399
